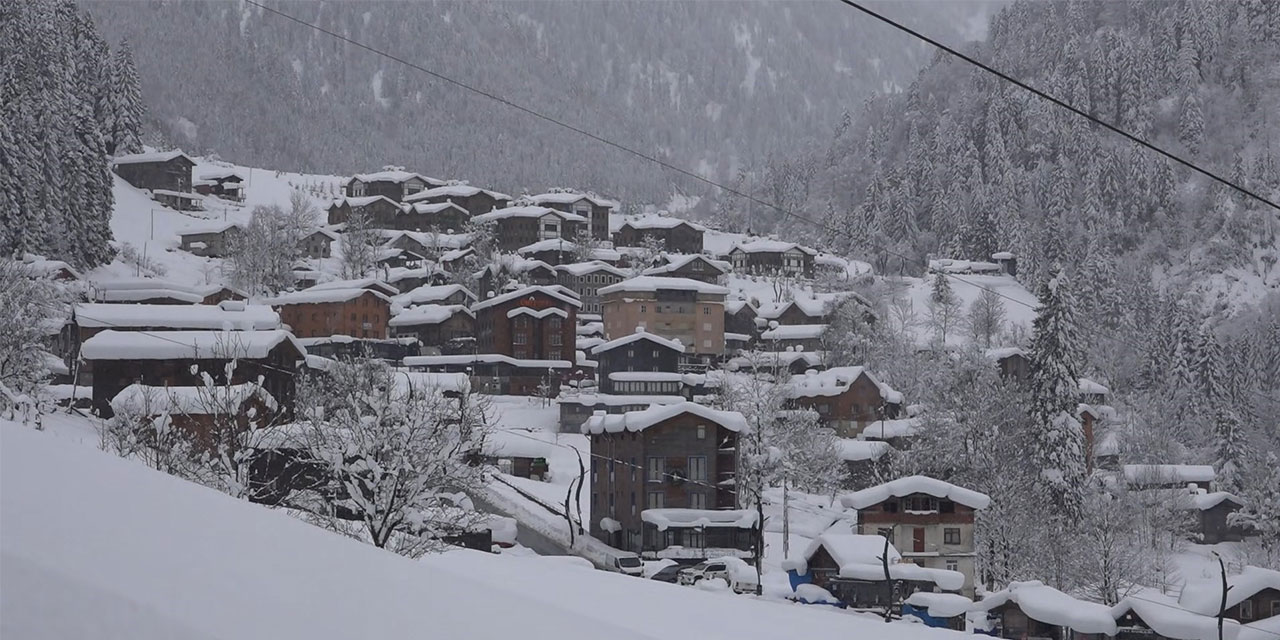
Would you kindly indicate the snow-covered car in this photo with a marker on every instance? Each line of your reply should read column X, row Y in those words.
column 740, row 576
column 628, row 564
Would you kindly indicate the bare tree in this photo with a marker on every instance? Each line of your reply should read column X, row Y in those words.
column 395, row 450
column 27, row 302
column 986, row 317
column 143, row 429
column 359, row 246
column 944, row 307
column 263, row 255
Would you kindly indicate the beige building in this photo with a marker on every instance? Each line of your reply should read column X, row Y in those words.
column 676, row 308
column 929, row 521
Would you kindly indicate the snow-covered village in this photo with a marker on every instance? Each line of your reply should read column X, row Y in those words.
column 888, row 320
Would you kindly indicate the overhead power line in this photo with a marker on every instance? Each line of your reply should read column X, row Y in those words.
column 1065, row 105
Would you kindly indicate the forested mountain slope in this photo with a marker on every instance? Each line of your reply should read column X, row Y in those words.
column 706, row 85
column 963, row 164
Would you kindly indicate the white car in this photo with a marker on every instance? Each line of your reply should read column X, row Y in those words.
column 629, row 565
column 740, row 576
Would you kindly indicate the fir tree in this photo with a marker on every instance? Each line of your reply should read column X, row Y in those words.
column 1228, row 450
column 1207, row 369
column 126, row 105
column 1191, row 124
column 1056, row 361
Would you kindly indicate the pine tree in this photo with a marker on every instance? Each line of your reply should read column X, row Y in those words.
column 1191, row 124
column 1228, row 449
column 944, row 307
column 127, row 109
column 1207, row 370
column 1056, row 361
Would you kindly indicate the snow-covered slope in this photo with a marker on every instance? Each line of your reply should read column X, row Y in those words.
column 106, row 548
column 1019, row 303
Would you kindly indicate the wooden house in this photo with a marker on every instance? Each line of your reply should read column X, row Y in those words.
column 213, row 415
column 180, row 358
column 225, row 184
column 693, row 266
column 669, row 496
column 380, row 211
column 211, row 240
column 865, row 571
column 392, row 183
column 163, row 170
column 594, row 210
column 473, row 199
column 586, row 279
column 1031, row 609
column 796, row 337
column 439, row 328
column 847, row 399
column 520, row 226
column 740, row 317
column 1253, row 595
column 772, row 257
column 529, row 323
column 673, row 234
column 640, row 363
column 322, row 312
column 318, row 244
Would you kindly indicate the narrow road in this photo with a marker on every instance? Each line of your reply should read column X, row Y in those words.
column 531, row 538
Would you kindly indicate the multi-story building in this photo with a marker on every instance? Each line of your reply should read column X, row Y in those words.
column 686, row 310
column 517, row 227
column 474, row 199
column 323, row 312
column 586, row 279
column 640, row 363
column 692, row 266
column 657, row 473
column 929, row 521
column 846, row 399
column 395, row 184
column 529, row 323
column 439, row 328
column 167, row 174
column 378, row 210
column 592, row 208
column 674, row 234
column 772, row 257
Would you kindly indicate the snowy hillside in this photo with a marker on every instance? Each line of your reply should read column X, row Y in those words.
column 151, row 229
column 147, row 556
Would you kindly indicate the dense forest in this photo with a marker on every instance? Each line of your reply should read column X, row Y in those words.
column 65, row 103
column 703, row 85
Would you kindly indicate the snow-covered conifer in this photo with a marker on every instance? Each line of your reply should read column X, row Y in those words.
column 1056, row 363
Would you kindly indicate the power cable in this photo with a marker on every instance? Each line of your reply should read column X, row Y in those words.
column 1060, row 103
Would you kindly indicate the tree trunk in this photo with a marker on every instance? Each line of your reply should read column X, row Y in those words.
column 786, row 521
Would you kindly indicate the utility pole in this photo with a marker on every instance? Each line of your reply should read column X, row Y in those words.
column 786, row 520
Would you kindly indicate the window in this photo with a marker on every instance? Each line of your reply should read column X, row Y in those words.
column 556, row 339
column 951, row 535
column 824, row 409
column 886, row 532
column 520, row 338
column 953, row 565
column 657, row 468
column 702, row 432
column 555, row 324
column 706, row 326
column 655, row 354
column 706, row 311
column 920, row 503
column 644, row 308
column 697, row 500
column 1246, row 610
column 698, row 468
column 656, row 500
column 890, row 506
column 631, row 353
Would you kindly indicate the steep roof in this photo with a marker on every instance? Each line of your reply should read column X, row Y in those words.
column 911, row 485
column 639, row 334
column 656, row 283
column 175, row 345
column 837, row 380
column 641, row 420
column 555, row 291
column 675, row 262
column 362, row 201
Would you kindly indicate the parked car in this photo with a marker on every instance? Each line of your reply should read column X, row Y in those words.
column 735, row 572
column 669, row 573
column 628, row 564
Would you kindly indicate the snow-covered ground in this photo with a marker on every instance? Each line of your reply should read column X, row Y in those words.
column 1019, row 303
column 107, row 548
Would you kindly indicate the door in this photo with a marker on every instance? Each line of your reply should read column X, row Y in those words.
column 917, row 539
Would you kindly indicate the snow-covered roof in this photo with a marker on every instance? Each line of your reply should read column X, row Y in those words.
column 362, row 201
column 550, row 244
column 153, row 156
column 1048, row 605
column 432, row 293
column 1002, row 255
column 216, row 399
column 221, row 174
column 429, row 239
column 1004, row 352
column 133, row 295
column 454, row 191
column 911, row 485
column 767, row 359
column 555, row 291
column 808, row 306
column 734, row 306
column 428, row 314
column 567, row 197
column 794, row 332
column 854, row 450
column 177, row 316
column 185, row 195
column 641, row 420
column 391, row 175
column 427, row 208
column 321, row 296
column 44, row 267
column 675, row 262
column 526, row 211
column 657, row 283
column 946, row 265
column 859, row 557
column 646, row 376
column 765, row 245
column 537, row 313
column 1166, row 617
column 639, row 334
column 665, row 519
column 661, row 222
column 1201, row 500
column 358, row 283
column 519, row 443
column 595, row 266
column 837, row 380
column 1167, row 473
column 1090, row 387
column 194, row 345
column 889, row 429
column 940, row 605
column 485, row 358
column 210, row 227
column 1204, row 596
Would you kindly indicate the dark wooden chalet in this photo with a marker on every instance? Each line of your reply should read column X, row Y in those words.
column 639, row 353
column 392, row 183
column 166, row 170
column 674, row 234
